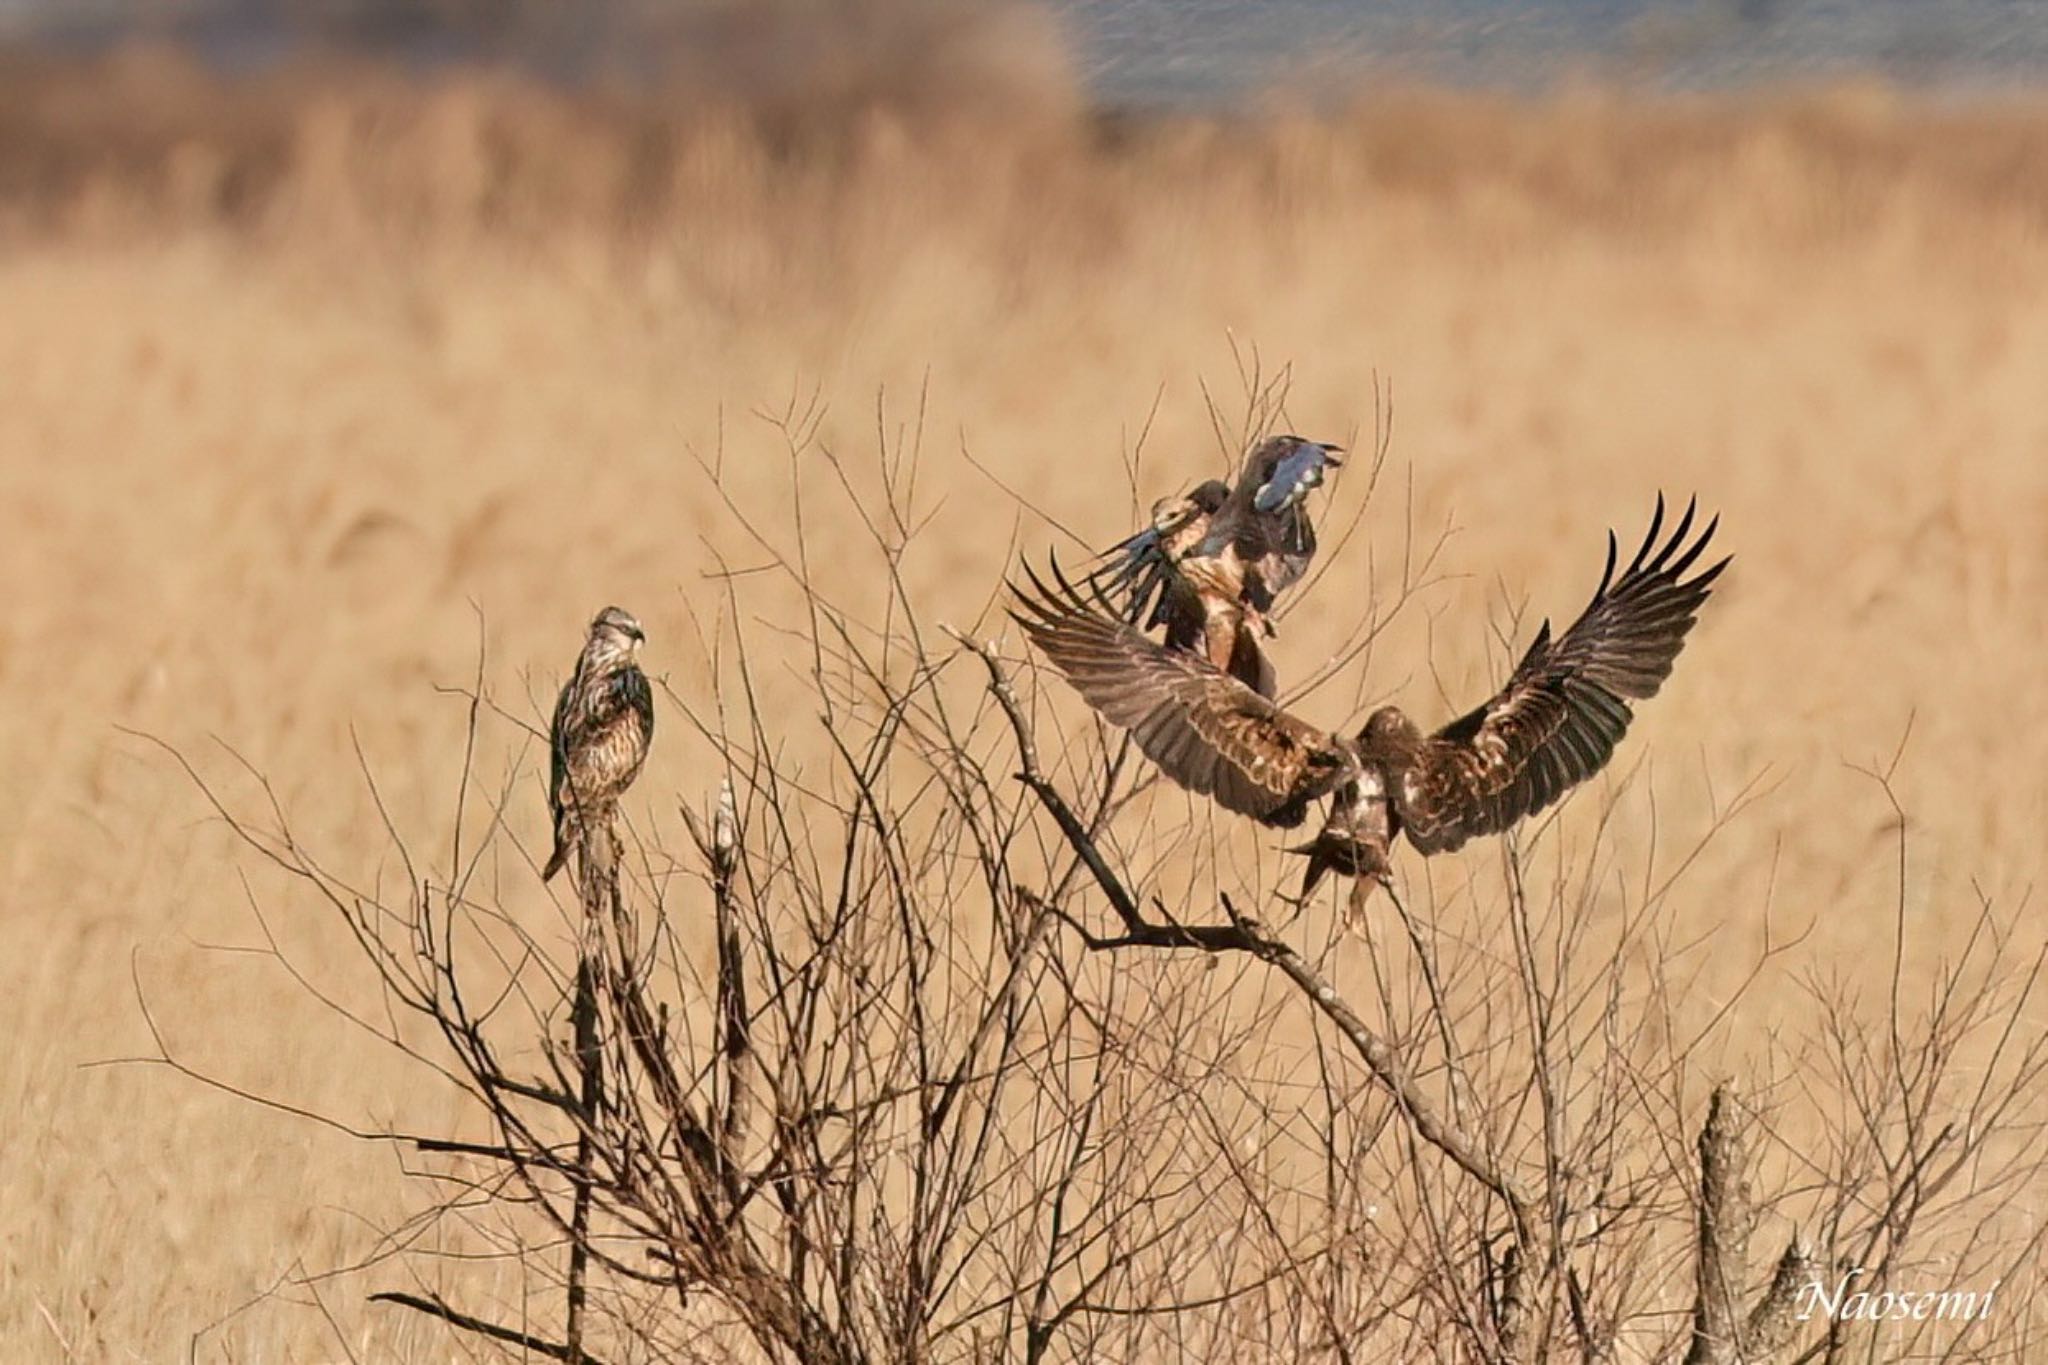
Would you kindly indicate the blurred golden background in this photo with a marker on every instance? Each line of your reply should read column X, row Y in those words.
column 307, row 372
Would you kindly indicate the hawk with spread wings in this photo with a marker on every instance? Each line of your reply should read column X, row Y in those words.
column 1213, row 560
column 604, row 721
column 1554, row 724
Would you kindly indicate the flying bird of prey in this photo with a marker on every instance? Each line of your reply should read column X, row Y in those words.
column 1554, row 723
column 1147, row 575
column 1260, row 541
column 1211, row 563
column 603, row 723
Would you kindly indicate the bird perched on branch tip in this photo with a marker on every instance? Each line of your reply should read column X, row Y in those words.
column 604, row 721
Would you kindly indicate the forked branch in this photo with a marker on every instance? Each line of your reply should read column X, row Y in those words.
column 1723, row 1331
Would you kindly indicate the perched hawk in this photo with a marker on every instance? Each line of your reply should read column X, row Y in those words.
column 603, row 722
column 1211, row 563
column 1554, row 724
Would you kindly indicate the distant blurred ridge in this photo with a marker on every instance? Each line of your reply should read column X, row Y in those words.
column 1147, row 52
column 789, row 130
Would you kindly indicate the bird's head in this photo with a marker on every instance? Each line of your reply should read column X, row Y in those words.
column 1285, row 468
column 1210, row 495
column 615, row 632
column 1389, row 729
column 1171, row 514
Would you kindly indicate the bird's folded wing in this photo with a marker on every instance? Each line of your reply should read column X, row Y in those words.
column 560, row 739
column 630, row 692
column 1206, row 730
column 1565, row 707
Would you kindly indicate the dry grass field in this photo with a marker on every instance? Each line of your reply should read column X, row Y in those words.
column 300, row 381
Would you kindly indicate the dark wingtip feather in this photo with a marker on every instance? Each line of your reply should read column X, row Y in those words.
column 1027, row 611
column 1072, row 591
column 1677, row 567
column 1650, row 538
column 1606, row 574
column 1538, row 647
column 1706, row 576
column 1038, row 588
column 1658, row 565
column 1663, row 558
column 1064, row 585
column 1042, row 601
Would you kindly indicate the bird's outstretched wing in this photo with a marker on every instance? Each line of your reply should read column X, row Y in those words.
column 1142, row 570
column 1566, row 706
column 1141, row 573
column 1206, row 730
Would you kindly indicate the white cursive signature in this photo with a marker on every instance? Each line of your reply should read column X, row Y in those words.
column 1847, row 1304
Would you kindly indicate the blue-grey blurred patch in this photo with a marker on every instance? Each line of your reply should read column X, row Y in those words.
column 1137, row 552
column 1296, row 474
column 1137, row 53
column 1140, row 574
column 1204, row 51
